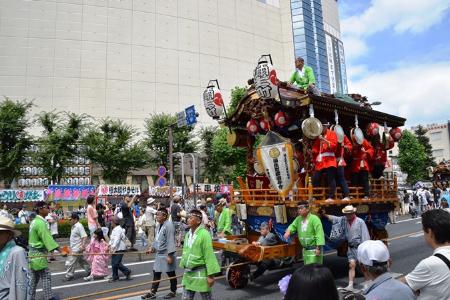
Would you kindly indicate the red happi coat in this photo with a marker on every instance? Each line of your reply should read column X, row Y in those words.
column 362, row 155
column 380, row 154
column 323, row 154
column 342, row 151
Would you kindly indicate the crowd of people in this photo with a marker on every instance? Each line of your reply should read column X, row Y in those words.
column 112, row 231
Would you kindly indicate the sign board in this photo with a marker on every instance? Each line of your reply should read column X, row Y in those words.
column 210, row 188
column 162, row 181
column 162, row 171
column 70, row 192
column 119, row 190
column 181, row 118
column 191, row 115
column 22, row 195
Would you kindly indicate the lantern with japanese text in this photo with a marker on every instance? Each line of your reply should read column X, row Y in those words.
column 264, row 124
column 212, row 99
column 373, row 129
column 277, row 156
column 396, row 134
column 252, row 127
column 265, row 78
column 281, row 119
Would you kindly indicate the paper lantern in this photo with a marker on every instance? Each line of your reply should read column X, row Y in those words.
column 396, row 134
column 264, row 124
column 373, row 129
column 265, row 78
column 252, row 126
column 213, row 102
column 281, row 120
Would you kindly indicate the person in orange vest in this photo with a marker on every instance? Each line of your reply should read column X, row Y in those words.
column 379, row 157
column 324, row 158
column 342, row 150
column 362, row 155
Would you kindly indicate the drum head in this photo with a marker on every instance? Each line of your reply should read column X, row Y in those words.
column 312, row 128
column 339, row 132
column 357, row 135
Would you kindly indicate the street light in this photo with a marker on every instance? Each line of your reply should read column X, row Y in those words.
column 194, row 164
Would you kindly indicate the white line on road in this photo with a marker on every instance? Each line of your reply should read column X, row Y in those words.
column 416, row 235
column 407, row 220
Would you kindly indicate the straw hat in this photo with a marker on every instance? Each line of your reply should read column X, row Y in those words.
column 150, row 200
column 208, row 200
column 349, row 209
column 199, row 202
column 222, row 202
column 6, row 224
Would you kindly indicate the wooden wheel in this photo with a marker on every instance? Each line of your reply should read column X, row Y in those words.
column 237, row 276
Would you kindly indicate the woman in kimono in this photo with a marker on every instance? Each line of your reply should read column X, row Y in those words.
column 99, row 263
column 198, row 260
column 165, row 259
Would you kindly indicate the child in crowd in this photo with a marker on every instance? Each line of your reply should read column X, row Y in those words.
column 99, row 263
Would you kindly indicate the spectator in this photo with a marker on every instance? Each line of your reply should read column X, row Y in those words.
column 99, row 263
column 210, row 208
column 92, row 215
column 355, row 233
column 15, row 275
column 224, row 221
column 4, row 212
column 128, row 221
column 312, row 282
column 102, row 220
column 117, row 247
column 23, row 215
column 430, row 279
column 374, row 260
column 444, row 205
column 78, row 239
column 82, row 212
column 175, row 214
column 52, row 220
column 149, row 220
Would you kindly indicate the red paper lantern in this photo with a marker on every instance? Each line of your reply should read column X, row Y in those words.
column 281, row 119
column 373, row 129
column 252, row 126
column 264, row 124
column 396, row 134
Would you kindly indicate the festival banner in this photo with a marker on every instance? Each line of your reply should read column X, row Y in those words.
column 70, row 192
column 277, row 156
column 164, row 191
column 119, row 190
column 22, row 195
column 210, row 188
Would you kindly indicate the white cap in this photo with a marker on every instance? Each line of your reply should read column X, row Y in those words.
column 370, row 252
column 150, row 200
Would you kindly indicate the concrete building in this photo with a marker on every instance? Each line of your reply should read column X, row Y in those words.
column 129, row 58
column 439, row 135
column 317, row 39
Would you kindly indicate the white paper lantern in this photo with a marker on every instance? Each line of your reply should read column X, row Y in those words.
column 213, row 102
column 265, row 78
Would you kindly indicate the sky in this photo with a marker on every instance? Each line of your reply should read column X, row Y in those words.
column 398, row 52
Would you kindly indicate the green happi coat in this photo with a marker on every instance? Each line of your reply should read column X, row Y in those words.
column 198, row 260
column 40, row 241
column 310, row 236
column 224, row 223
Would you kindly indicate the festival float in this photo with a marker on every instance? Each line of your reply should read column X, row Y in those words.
column 280, row 167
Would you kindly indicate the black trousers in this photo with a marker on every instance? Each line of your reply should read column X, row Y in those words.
column 340, row 176
column 157, row 277
column 377, row 171
column 263, row 266
column 331, row 179
column 361, row 179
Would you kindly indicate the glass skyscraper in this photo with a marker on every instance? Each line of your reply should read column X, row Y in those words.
column 315, row 26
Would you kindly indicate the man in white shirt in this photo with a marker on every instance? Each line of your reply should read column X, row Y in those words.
column 78, row 238
column 430, row 279
column 23, row 215
column 149, row 220
column 117, row 246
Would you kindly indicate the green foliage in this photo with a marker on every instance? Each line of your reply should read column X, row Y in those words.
column 412, row 158
column 236, row 95
column 157, row 138
column 112, row 147
column 425, row 142
column 14, row 140
column 58, row 142
column 211, row 169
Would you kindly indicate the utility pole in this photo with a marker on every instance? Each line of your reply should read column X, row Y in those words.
column 171, row 160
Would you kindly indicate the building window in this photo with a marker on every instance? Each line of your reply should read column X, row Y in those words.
column 436, row 136
column 438, row 153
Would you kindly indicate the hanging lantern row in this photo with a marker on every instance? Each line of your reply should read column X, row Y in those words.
column 263, row 124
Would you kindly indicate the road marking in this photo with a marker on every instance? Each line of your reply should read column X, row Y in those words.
column 420, row 222
column 416, row 235
column 88, row 282
column 408, row 220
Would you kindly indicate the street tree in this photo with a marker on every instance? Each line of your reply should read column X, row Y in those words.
column 59, row 142
column 157, row 138
column 425, row 142
column 14, row 120
column 236, row 95
column 211, row 168
column 412, row 158
column 114, row 146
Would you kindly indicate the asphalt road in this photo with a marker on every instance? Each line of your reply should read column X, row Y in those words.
column 407, row 248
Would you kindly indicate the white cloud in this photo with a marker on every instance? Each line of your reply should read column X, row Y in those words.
column 419, row 93
column 399, row 15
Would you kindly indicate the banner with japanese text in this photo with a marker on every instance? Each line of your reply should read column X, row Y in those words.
column 119, row 190
column 22, row 195
column 70, row 192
